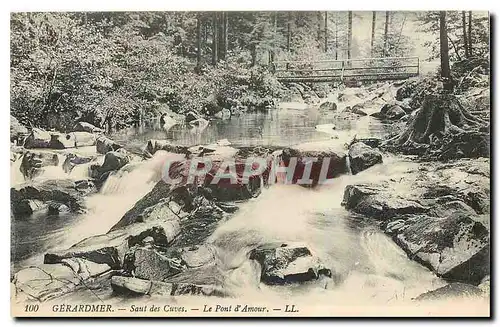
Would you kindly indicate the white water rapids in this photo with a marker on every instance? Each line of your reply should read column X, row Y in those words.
column 368, row 268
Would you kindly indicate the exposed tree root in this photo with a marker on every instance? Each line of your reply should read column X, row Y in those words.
column 442, row 126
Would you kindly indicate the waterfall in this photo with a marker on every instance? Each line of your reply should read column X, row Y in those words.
column 348, row 164
column 368, row 267
column 16, row 177
column 119, row 194
column 81, row 171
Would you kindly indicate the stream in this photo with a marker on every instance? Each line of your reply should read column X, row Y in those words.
column 369, row 266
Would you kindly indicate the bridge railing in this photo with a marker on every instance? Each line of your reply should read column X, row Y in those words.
column 360, row 68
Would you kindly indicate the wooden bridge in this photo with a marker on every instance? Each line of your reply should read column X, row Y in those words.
column 363, row 69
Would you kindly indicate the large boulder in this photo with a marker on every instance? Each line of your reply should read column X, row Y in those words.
column 283, row 263
column 357, row 109
column 451, row 291
column 348, row 97
column 361, row 157
column 394, row 112
column 49, row 281
column 74, row 159
column 33, row 162
column 61, row 141
column 27, row 207
column 105, row 145
column 167, row 121
column 223, row 114
column 153, row 205
column 81, row 139
column 390, row 111
column 156, row 145
column 17, row 131
column 199, row 124
column 372, row 142
column 328, row 105
column 454, row 246
column 148, row 263
column 217, row 155
column 38, row 138
column 436, row 212
column 329, row 153
column 136, row 286
column 72, row 140
column 378, row 202
column 87, row 127
column 110, row 248
column 195, row 256
column 175, row 265
column 63, row 191
column 191, row 115
column 55, row 208
column 113, row 161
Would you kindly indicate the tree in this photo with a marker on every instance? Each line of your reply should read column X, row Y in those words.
column 349, row 35
column 470, row 34
column 215, row 38
column 374, row 18
column 456, row 36
column 443, row 41
column 464, row 31
column 272, row 53
column 336, row 37
column 198, row 42
column 386, row 33
column 442, row 124
column 289, row 32
column 222, row 35
column 326, row 31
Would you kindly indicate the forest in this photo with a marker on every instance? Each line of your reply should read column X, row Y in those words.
column 115, row 69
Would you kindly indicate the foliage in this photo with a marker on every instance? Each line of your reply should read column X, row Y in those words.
column 480, row 33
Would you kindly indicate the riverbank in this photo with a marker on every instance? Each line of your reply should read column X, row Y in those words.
column 206, row 241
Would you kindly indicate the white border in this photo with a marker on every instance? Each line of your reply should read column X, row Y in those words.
column 134, row 5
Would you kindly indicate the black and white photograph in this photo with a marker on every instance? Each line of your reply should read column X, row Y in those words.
column 250, row 163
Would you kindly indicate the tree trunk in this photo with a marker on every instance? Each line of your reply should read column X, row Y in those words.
column 205, row 34
column 386, row 33
column 226, row 36
column 374, row 18
column 470, row 34
column 253, row 50
column 321, row 26
column 464, row 31
column 289, row 32
column 349, row 35
column 326, row 31
column 443, row 42
column 455, row 48
column 222, row 35
column 198, row 42
column 215, row 39
column 336, row 37
column 443, row 124
column 272, row 53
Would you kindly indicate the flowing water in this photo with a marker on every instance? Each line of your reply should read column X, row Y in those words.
column 368, row 267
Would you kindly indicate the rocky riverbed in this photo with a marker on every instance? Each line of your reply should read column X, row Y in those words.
column 206, row 240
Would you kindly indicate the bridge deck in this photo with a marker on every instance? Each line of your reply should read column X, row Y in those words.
column 390, row 68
